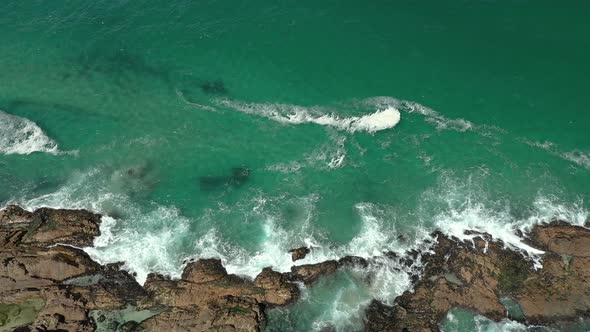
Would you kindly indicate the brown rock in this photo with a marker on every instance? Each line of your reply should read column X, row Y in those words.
column 225, row 314
column 299, row 253
column 204, row 270
column 311, row 272
column 475, row 276
column 45, row 227
column 279, row 290
column 561, row 289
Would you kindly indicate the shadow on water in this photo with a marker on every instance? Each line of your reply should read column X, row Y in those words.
column 239, row 176
column 120, row 66
column 213, row 87
column 127, row 69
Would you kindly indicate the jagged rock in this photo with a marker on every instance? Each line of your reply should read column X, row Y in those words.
column 299, row 253
column 130, row 326
column 311, row 272
column 60, row 284
column 45, row 227
column 278, row 289
column 561, row 289
column 353, row 261
column 69, row 284
column 475, row 276
column 380, row 317
column 204, row 270
column 230, row 314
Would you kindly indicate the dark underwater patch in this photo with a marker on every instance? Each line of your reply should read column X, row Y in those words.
column 124, row 68
column 239, row 176
column 213, row 87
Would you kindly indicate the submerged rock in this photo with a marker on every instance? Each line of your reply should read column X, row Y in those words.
column 213, row 87
column 239, row 176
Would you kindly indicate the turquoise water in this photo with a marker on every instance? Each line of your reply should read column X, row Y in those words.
column 236, row 130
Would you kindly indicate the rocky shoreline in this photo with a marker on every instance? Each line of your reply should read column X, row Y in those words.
column 48, row 283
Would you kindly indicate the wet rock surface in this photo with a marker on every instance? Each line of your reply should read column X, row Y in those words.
column 299, row 253
column 476, row 275
column 48, row 283
column 43, row 271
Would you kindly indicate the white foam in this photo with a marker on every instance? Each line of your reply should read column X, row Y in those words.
column 150, row 240
column 22, row 136
column 484, row 324
column 576, row 156
column 381, row 119
column 579, row 157
column 474, row 216
column 331, row 155
column 152, row 245
column 431, row 116
column 146, row 240
column 468, row 208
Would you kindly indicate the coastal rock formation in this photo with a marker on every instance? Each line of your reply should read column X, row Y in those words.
column 299, row 253
column 309, row 273
column 47, row 283
column 208, row 298
column 476, row 275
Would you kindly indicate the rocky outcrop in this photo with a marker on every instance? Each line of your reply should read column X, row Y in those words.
column 48, row 283
column 475, row 276
column 44, row 274
column 309, row 273
column 38, row 262
column 299, row 253
column 561, row 290
column 208, row 298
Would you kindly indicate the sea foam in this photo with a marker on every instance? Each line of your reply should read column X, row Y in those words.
column 381, row 119
column 22, row 136
column 576, row 156
column 150, row 240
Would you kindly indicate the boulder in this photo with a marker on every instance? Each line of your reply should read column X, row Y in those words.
column 309, row 273
column 299, row 253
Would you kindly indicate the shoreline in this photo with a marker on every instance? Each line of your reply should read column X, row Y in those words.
column 53, row 284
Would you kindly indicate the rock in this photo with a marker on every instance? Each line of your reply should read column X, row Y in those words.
column 57, row 286
column 130, row 326
column 225, row 314
column 204, row 270
column 67, row 284
column 353, row 261
column 14, row 214
column 279, row 290
column 561, row 289
column 379, row 317
column 309, row 273
column 299, row 253
column 45, row 227
column 476, row 275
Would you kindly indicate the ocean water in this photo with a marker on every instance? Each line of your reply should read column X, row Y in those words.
column 240, row 130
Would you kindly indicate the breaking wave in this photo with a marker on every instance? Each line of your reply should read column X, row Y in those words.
column 383, row 118
column 22, row 136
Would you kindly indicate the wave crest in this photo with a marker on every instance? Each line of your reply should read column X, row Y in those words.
column 22, row 136
column 383, row 118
